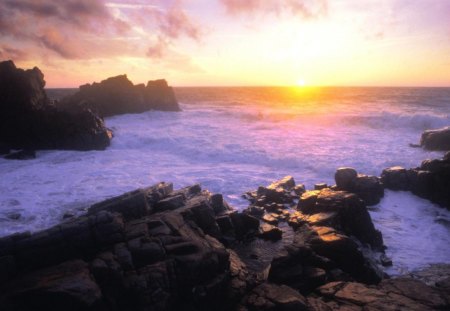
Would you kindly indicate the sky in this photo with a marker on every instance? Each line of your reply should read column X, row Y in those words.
column 231, row 42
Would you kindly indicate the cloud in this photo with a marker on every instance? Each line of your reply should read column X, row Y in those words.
column 307, row 9
column 7, row 52
column 85, row 29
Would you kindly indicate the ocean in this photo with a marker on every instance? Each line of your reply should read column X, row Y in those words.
column 231, row 140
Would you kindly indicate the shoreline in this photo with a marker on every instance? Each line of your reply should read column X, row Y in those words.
column 243, row 253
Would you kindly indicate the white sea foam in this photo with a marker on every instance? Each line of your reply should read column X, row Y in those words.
column 231, row 141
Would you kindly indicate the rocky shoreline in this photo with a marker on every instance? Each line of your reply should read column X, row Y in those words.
column 163, row 249
column 30, row 121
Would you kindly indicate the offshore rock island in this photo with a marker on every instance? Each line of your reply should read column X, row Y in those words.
column 157, row 248
column 30, row 120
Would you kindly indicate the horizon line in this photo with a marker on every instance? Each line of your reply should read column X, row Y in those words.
column 286, row 86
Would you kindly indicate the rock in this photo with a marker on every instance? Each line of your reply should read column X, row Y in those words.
column 345, row 177
column 274, row 297
column 320, row 186
column 136, row 203
column 4, row 149
column 343, row 211
column 393, row 294
column 134, row 257
column 307, row 201
column 68, row 286
column 244, row 223
column 270, row 232
column 438, row 139
column 29, row 120
column 431, row 180
column 395, row 178
column 118, row 95
column 279, row 191
column 368, row 188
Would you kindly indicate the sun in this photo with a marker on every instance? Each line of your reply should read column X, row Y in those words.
column 301, row 82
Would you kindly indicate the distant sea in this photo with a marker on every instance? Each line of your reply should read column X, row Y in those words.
column 231, row 140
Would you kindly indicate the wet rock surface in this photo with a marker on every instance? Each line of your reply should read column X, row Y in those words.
column 157, row 248
column 118, row 95
column 438, row 139
column 29, row 120
column 431, row 180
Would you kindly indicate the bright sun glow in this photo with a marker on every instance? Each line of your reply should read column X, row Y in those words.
column 301, row 82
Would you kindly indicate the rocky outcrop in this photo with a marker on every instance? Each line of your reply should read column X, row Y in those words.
column 29, row 120
column 118, row 95
column 157, row 248
column 431, row 180
column 436, row 139
column 127, row 253
column 391, row 294
column 330, row 229
column 368, row 188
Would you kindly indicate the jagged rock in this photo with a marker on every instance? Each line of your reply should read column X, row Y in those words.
column 279, row 191
column 270, row 232
column 392, row 294
column 436, row 139
column 118, row 95
column 273, row 297
column 341, row 210
column 29, row 120
column 431, row 180
column 68, row 286
column 368, row 188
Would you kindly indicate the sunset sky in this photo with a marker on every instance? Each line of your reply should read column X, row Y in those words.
column 231, row 42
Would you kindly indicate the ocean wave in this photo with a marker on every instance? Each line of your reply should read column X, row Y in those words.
column 389, row 120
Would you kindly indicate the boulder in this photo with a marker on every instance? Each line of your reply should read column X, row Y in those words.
column 29, row 120
column 368, row 188
column 342, row 210
column 118, row 95
column 438, row 139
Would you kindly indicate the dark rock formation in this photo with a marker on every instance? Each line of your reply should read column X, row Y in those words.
column 269, row 296
column 125, row 254
column 436, row 139
column 341, row 210
column 330, row 227
column 118, row 95
column 160, row 249
column 368, row 188
column 21, row 155
column 28, row 119
column 431, row 180
column 392, row 294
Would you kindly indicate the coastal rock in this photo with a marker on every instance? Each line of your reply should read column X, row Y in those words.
column 368, row 188
column 118, row 95
column 340, row 209
column 273, row 297
column 29, row 120
column 438, row 139
column 431, row 180
column 392, row 294
column 270, row 232
column 125, row 254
